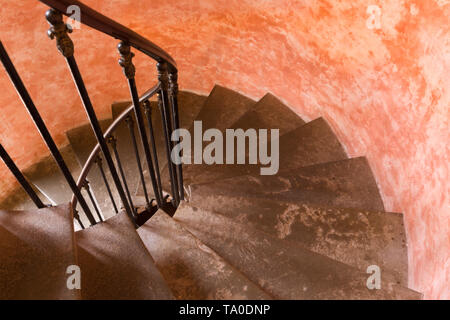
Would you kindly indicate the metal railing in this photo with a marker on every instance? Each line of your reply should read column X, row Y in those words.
column 167, row 91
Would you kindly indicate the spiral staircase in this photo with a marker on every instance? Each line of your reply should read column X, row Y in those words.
column 308, row 232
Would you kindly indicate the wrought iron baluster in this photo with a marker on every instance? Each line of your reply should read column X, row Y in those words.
column 173, row 94
column 20, row 178
column 37, row 119
column 113, row 142
column 129, row 70
column 163, row 103
column 87, row 187
column 64, row 44
column 99, row 163
column 148, row 114
column 130, row 123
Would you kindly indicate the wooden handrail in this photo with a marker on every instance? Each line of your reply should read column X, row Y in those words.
column 101, row 23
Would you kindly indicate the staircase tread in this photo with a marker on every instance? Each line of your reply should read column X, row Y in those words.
column 356, row 237
column 222, row 108
column 116, row 264
column 18, row 199
column 310, row 144
column 297, row 274
column 191, row 269
column 36, row 247
column 83, row 140
column 46, row 176
column 269, row 112
column 347, row 183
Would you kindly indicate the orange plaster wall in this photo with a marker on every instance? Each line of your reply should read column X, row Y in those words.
column 384, row 91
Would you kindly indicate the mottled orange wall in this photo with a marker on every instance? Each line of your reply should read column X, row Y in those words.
column 385, row 91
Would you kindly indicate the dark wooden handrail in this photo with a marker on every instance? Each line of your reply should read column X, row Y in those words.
column 101, row 23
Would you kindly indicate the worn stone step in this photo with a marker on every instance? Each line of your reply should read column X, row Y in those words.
column 82, row 139
column 116, row 265
column 222, row 108
column 191, row 269
column 356, row 237
column 46, row 176
column 346, row 183
column 310, row 144
column 269, row 113
column 281, row 268
column 18, row 199
column 36, row 248
column 48, row 179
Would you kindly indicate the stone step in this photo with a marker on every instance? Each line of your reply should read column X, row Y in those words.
column 191, row 269
column 116, row 265
column 356, row 237
column 51, row 183
column 283, row 269
column 48, row 179
column 36, row 248
column 269, row 113
column 18, row 199
column 310, row 144
column 82, row 139
column 222, row 108
column 346, row 183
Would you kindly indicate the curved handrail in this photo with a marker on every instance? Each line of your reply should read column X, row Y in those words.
column 101, row 23
column 94, row 153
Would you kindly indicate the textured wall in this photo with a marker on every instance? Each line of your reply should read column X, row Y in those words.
column 383, row 85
